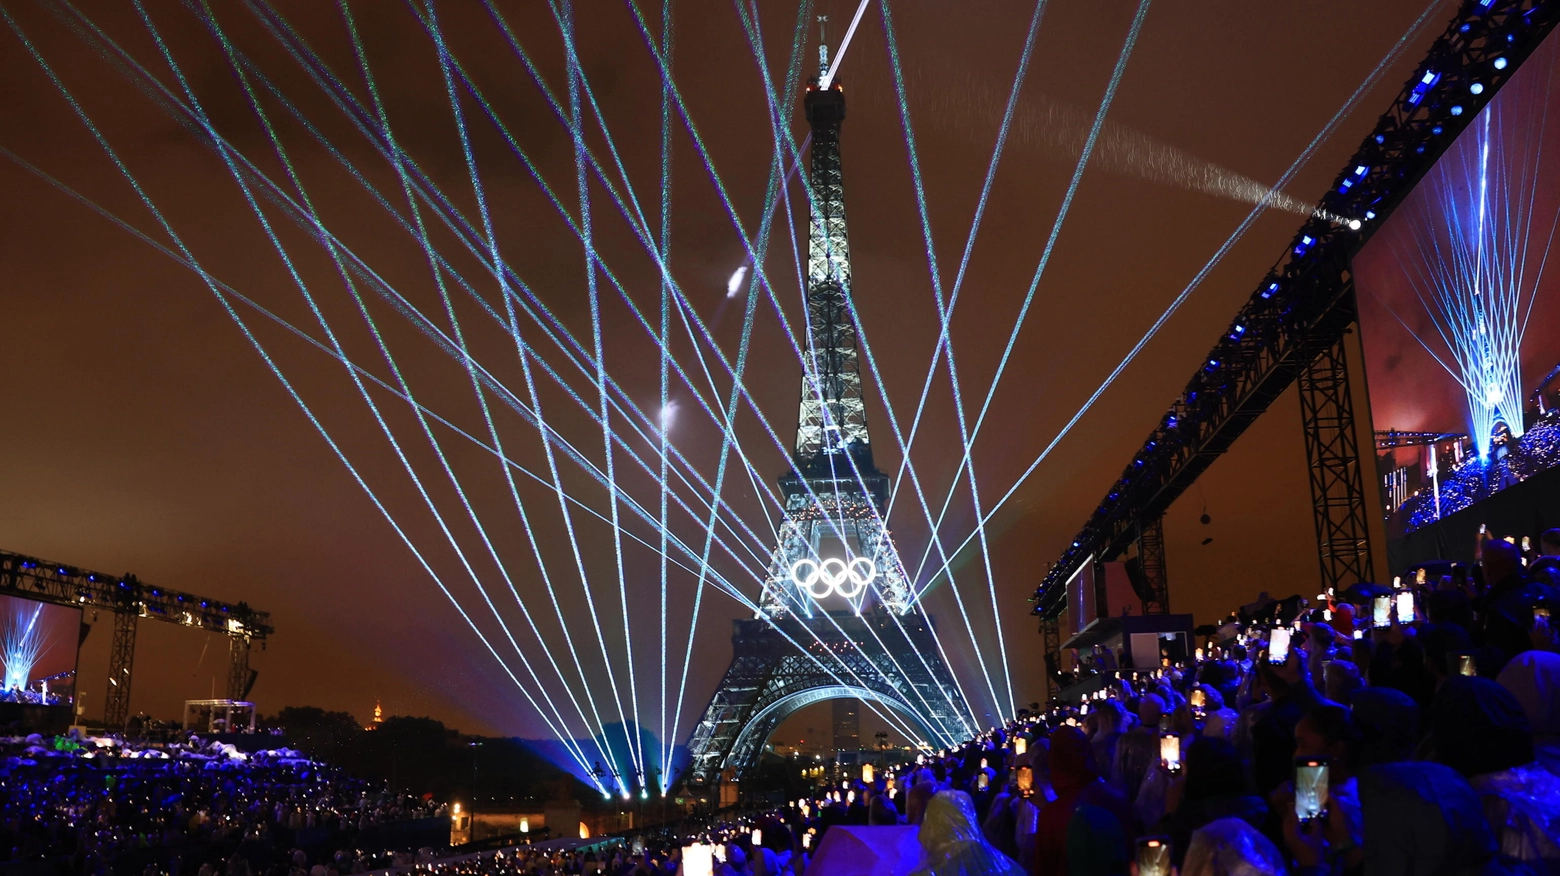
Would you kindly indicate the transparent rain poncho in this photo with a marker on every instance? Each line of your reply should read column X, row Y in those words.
column 953, row 842
column 1231, row 847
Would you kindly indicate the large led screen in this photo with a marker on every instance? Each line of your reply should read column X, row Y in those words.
column 38, row 646
column 1460, row 311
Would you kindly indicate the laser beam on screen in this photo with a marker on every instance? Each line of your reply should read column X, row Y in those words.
column 1475, row 256
column 22, row 644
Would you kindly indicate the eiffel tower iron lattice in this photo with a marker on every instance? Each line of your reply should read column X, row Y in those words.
column 833, row 547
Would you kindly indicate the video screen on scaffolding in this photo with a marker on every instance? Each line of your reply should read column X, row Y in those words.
column 38, row 649
column 1459, row 311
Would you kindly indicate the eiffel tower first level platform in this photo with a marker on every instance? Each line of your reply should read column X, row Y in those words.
column 778, row 667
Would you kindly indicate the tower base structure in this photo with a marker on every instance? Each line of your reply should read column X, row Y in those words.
column 785, row 664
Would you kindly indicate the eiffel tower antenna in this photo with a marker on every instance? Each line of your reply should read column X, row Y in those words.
column 823, row 46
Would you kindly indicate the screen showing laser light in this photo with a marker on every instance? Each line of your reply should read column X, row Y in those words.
column 38, row 651
column 1459, row 318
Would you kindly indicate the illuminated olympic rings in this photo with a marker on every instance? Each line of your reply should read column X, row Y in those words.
column 847, row 579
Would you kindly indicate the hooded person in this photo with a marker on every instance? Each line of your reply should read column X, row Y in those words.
column 1423, row 818
column 1215, row 787
column 1096, row 844
column 1478, row 728
column 1533, row 677
column 1110, row 719
column 880, row 812
column 1077, row 782
column 1001, row 825
column 1231, row 847
column 1388, row 723
column 921, row 793
column 1138, row 749
column 953, row 843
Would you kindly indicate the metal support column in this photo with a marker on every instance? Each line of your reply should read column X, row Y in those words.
column 1147, row 571
column 1051, row 631
column 1333, row 460
column 121, row 656
column 238, row 669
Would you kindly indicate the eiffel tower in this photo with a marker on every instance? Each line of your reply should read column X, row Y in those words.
column 837, row 614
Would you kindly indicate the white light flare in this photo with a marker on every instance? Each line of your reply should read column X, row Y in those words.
column 734, row 285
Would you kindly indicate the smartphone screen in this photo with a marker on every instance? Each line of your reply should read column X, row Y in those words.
column 1153, row 856
column 1381, row 612
column 1310, row 787
column 1199, row 698
column 1278, row 645
column 982, row 782
column 1467, row 665
column 1025, row 780
column 698, row 860
column 1405, row 607
column 1170, row 751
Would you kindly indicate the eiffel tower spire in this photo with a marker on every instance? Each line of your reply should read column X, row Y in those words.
column 833, row 415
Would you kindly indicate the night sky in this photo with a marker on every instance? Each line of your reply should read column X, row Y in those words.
column 146, row 433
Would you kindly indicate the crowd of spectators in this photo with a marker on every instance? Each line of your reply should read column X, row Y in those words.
column 1438, row 722
column 190, row 806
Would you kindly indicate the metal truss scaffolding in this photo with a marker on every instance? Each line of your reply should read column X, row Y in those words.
column 121, row 657
column 130, row 600
column 1147, row 570
column 1333, row 456
column 1305, row 304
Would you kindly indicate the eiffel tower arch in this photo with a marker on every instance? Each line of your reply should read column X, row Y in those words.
column 838, row 617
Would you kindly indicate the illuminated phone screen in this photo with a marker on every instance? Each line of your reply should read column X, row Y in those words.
column 1278, row 645
column 1381, row 611
column 1405, row 607
column 1466, row 665
column 1170, row 751
column 1310, row 788
column 1153, row 856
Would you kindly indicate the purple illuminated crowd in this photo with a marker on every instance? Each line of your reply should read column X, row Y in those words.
column 89, row 805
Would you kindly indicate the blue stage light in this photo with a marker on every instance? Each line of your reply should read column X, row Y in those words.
column 1476, row 88
column 1500, row 63
column 1426, row 83
column 1457, row 110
